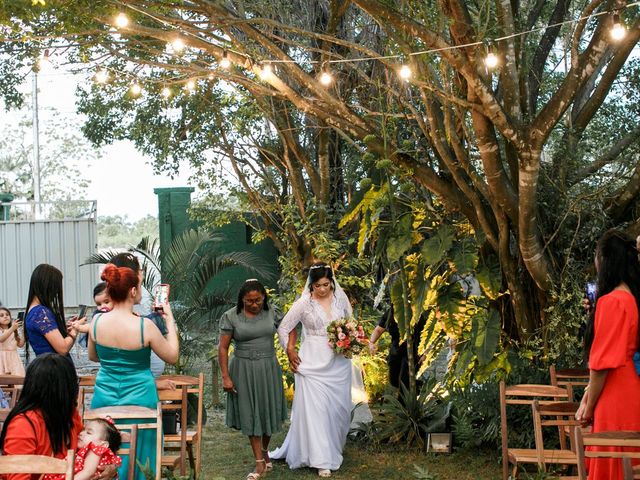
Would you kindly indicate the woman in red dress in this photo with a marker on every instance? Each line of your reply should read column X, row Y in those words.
column 612, row 398
column 45, row 421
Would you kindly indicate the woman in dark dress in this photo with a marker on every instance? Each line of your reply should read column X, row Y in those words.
column 256, row 403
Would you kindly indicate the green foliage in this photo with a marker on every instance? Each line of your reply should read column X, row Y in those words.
column 63, row 152
column 424, row 473
column 409, row 419
column 119, row 232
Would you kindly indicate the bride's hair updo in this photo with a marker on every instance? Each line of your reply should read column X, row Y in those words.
column 318, row 271
column 119, row 281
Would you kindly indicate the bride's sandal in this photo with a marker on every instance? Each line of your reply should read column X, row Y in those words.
column 323, row 472
column 268, row 466
column 256, row 475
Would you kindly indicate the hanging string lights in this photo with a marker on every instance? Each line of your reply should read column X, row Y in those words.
column 177, row 45
column 405, row 72
column 135, row 89
column 266, row 72
column 618, row 30
column 325, row 75
column 121, row 21
column 491, row 58
column 224, row 61
column 102, row 76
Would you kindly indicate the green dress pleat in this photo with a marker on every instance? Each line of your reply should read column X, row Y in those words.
column 259, row 407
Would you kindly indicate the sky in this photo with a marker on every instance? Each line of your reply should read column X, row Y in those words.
column 117, row 164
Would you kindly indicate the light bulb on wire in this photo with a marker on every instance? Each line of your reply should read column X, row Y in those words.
column 224, row 61
column 405, row 72
column 44, row 60
column 191, row 86
column 122, row 21
column 266, row 72
column 102, row 76
column 618, row 30
column 177, row 44
column 166, row 92
column 491, row 60
column 326, row 78
column 135, row 89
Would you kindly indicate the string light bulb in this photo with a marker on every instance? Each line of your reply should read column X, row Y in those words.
column 44, row 60
column 491, row 60
column 326, row 78
column 618, row 30
column 166, row 92
column 102, row 76
column 224, row 61
column 405, row 72
column 191, row 86
column 325, row 75
column 135, row 89
column 266, row 71
column 178, row 45
column 122, row 21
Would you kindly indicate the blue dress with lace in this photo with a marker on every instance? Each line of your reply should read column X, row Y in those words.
column 40, row 321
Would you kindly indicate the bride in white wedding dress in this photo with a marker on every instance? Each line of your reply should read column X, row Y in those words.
column 321, row 410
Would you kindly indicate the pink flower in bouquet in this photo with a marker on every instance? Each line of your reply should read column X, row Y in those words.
column 340, row 344
column 342, row 336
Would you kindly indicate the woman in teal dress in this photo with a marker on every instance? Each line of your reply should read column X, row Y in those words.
column 122, row 342
column 256, row 404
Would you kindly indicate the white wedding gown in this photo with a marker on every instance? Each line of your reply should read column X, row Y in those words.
column 321, row 410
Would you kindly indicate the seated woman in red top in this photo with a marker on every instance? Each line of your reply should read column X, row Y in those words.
column 45, row 421
column 612, row 398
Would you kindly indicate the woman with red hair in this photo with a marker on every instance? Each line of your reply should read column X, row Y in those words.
column 122, row 342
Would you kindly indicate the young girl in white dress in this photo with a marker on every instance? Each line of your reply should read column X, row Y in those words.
column 320, row 415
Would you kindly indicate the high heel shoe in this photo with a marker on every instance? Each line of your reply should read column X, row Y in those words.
column 324, row 472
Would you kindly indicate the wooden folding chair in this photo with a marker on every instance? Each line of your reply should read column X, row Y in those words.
column 558, row 414
column 188, row 441
column 12, row 386
column 142, row 418
column 569, row 378
column 37, row 464
column 86, row 385
column 607, row 439
column 523, row 394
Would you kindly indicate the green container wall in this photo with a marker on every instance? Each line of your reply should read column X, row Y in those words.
column 173, row 219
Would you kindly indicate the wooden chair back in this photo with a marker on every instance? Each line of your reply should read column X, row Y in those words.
column 557, row 414
column 86, row 385
column 607, row 439
column 11, row 385
column 149, row 418
column 523, row 394
column 37, row 464
column 190, row 440
column 569, row 378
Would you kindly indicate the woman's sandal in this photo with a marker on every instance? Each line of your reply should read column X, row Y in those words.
column 268, row 466
column 256, row 475
column 324, row 472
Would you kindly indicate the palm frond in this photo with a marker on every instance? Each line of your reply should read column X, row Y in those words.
column 102, row 257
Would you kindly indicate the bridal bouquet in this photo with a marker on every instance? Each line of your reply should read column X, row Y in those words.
column 346, row 337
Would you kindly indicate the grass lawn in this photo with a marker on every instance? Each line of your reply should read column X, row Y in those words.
column 226, row 455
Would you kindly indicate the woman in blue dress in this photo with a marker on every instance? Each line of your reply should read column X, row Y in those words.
column 122, row 342
column 44, row 327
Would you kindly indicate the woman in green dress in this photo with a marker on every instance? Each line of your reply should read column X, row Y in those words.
column 256, row 404
column 122, row 342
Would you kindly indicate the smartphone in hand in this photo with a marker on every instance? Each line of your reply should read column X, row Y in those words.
column 591, row 290
column 82, row 311
column 160, row 296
